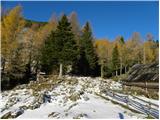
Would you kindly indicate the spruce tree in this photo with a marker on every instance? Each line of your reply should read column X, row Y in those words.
column 65, row 44
column 87, row 49
column 48, row 54
column 60, row 47
column 115, row 59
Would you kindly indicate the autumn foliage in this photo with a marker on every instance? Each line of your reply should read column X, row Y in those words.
column 27, row 47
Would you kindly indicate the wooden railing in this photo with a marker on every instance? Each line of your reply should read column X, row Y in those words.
column 133, row 102
column 151, row 85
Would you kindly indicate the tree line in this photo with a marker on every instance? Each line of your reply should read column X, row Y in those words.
column 61, row 46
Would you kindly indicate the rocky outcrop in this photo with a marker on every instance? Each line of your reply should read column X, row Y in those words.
column 141, row 73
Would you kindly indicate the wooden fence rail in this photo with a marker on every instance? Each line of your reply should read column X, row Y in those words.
column 134, row 102
column 150, row 85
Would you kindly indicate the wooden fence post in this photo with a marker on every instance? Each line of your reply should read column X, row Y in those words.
column 149, row 108
column 127, row 99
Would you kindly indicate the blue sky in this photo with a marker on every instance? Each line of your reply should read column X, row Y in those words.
column 108, row 19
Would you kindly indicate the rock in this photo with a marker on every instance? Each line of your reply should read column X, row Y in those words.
column 81, row 92
column 60, row 101
column 24, row 107
column 31, row 82
column 89, row 91
column 22, row 86
column 74, row 104
column 116, row 86
column 17, row 113
column 35, row 93
column 74, row 96
column 66, row 114
column 11, row 101
column 65, row 99
column 55, row 94
column 53, row 114
column 3, row 109
column 71, row 90
column 40, row 99
column 34, row 106
column 63, row 93
column 72, row 81
column 46, row 97
column 82, row 115
column 7, row 115
column 85, row 98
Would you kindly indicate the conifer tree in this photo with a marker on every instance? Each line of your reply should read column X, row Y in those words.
column 87, row 46
column 60, row 47
column 67, row 49
column 48, row 57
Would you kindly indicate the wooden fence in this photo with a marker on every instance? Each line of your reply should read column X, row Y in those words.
column 150, row 85
column 134, row 103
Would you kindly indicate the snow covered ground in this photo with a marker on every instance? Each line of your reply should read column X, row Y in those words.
column 73, row 98
column 95, row 107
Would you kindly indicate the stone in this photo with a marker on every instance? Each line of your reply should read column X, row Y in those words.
column 65, row 99
column 53, row 114
column 66, row 114
column 72, row 81
column 81, row 92
column 24, row 107
column 3, row 109
column 85, row 98
column 74, row 97
column 71, row 106
column 46, row 97
column 80, row 116
column 17, row 113
column 71, row 90
column 35, row 106
column 22, row 86
column 11, row 101
column 40, row 98
column 31, row 82
column 7, row 115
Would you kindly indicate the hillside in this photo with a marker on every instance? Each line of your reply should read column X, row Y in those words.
column 29, row 23
column 72, row 97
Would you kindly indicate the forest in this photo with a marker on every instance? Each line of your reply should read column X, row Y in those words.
column 61, row 46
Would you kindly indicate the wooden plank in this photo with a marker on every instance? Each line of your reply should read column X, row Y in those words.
column 146, row 101
column 150, row 85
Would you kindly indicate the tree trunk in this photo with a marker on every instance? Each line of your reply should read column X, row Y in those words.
column 121, row 67
column 146, row 90
column 116, row 73
column 60, row 70
column 102, row 71
column 125, row 69
column 3, row 66
column 144, row 56
column 36, row 67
